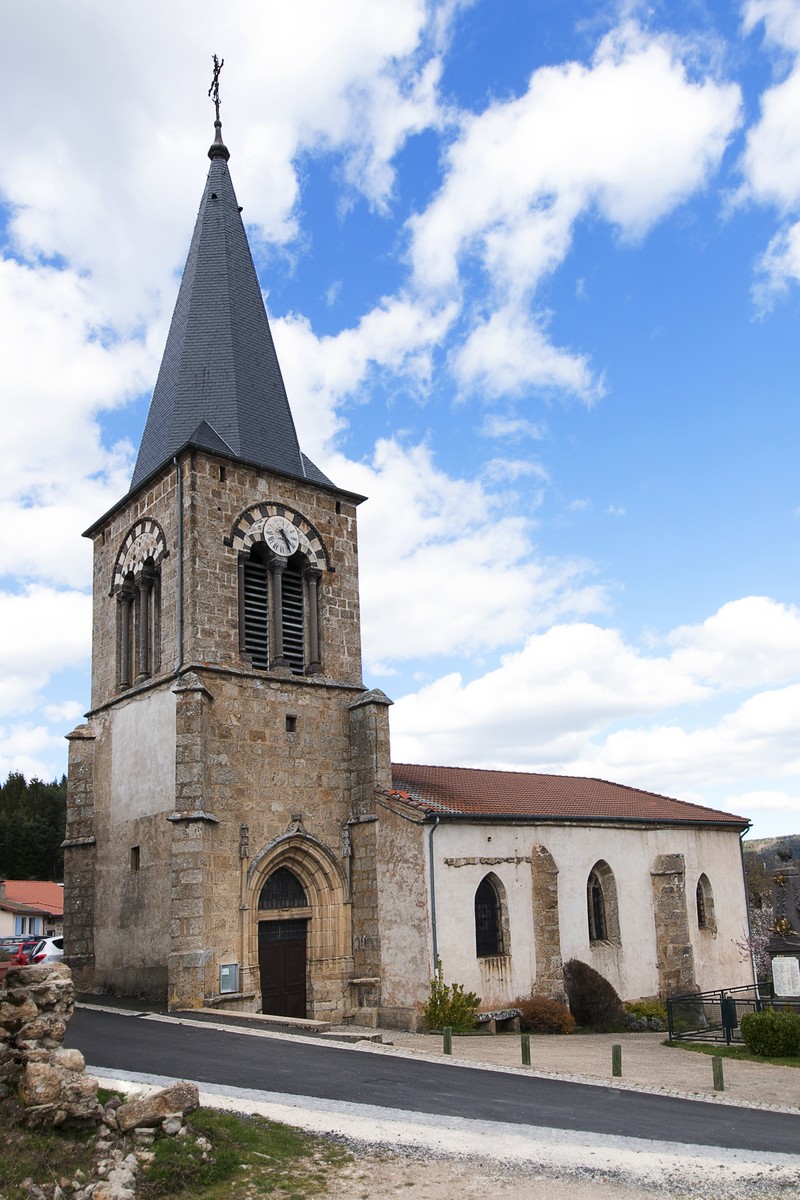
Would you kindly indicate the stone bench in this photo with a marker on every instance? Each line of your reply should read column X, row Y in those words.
column 505, row 1020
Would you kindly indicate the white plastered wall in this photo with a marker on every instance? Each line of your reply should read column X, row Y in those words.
column 465, row 853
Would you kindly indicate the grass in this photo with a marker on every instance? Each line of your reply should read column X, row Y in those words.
column 738, row 1052
column 236, row 1158
column 47, row 1157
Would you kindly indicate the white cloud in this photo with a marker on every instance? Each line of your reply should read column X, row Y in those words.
column 578, row 699
column 509, row 352
column 748, row 642
column 320, row 372
column 771, row 160
column 630, row 136
column 434, row 551
column 43, row 632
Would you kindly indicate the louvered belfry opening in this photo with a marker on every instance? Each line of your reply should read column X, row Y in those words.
column 255, row 583
column 293, row 618
column 273, row 610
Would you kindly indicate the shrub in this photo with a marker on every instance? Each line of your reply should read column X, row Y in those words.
column 771, row 1033
column 649, row 1009
column 593, row 1001
column 450, row 1005
column 538, row 1014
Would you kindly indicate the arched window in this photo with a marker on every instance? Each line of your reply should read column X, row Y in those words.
column 491, row 936
column 137, row 587
column 278, row 618
column 283, row 890
column 601, row 904
column 139, row 625
column 704, row 899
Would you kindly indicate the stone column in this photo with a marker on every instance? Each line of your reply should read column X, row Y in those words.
column 546, row 927
column 674, row 951
column 370, row 769
column 192, row 835
column 277, row 566
column 143, row 649
column 124, row 605
column 312, row 578
column 80, row 859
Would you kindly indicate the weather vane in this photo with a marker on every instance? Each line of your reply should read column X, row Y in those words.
column 213, row 91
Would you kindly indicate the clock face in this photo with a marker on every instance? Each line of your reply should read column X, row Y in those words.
column 281, row 535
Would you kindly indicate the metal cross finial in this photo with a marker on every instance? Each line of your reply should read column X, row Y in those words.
column 213, row 91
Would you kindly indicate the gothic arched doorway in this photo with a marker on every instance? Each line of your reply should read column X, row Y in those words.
column 282, row 944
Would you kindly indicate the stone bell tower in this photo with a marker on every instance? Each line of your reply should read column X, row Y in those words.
column 220, row 841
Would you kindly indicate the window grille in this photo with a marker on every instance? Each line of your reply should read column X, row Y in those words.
column 597, row 911
column 488, row 926
column 281, row 931
column 283, row 890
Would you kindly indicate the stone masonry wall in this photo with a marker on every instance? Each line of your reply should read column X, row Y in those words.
column 674, row 952
column 546, row 927
column 80, row 856
column 35, row 1006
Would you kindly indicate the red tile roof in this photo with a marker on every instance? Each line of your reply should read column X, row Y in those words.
column 36, row 894
column 467, row 792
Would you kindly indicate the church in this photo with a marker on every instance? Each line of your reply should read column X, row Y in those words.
column 237, row 835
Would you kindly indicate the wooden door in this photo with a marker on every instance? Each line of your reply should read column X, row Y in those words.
column 282, row 966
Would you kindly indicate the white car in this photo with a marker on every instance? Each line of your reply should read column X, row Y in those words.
column 49, row 949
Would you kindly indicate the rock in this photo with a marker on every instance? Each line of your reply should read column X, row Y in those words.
column 40, row 1084
column 171, row 1124
column 150, row 1111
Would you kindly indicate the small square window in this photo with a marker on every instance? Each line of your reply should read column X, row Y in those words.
column 291, row 723
column 135, row 858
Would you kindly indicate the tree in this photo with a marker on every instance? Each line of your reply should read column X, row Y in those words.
column 32, row 826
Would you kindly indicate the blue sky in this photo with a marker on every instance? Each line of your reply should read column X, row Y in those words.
column 532, row 271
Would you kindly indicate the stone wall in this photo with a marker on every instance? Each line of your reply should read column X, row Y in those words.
column 35, row 1006
column 675, row 956
column 546, row 926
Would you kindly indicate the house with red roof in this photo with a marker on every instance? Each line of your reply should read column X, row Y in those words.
column 31, row 906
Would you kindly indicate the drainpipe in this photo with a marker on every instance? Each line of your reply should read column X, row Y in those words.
column 177, row 465
column 434, row 827
column 747, row 910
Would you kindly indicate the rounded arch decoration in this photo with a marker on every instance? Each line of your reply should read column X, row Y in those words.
column 248, row 530
column 144, row 540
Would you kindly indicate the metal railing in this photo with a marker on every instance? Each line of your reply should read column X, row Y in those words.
column 716, row 1016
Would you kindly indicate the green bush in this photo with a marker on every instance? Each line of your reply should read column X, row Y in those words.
column 772, row 1034
column 647, row 1009
column 538, row 1014
column 450, row 1005
column 593, row 1001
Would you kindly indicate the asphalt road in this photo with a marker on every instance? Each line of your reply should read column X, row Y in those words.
column 295, row 1068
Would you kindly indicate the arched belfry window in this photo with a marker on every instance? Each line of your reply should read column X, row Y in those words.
column 137, row 588
column 704, row 900
column 282, row 890
column 491, row 926
column 278, row 610
column 601, row 904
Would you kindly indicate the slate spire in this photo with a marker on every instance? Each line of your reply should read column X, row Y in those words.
column 220, row 386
